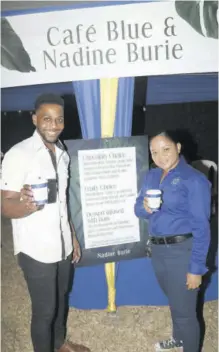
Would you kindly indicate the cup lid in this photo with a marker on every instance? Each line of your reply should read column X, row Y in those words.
column 153, row 191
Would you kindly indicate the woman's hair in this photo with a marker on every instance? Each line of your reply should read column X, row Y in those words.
column 169, row 134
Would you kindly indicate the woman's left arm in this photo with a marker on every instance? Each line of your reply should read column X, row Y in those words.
column 199, row 213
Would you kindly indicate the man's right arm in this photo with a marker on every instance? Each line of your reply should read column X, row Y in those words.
column 16, row 199
column 13, row 207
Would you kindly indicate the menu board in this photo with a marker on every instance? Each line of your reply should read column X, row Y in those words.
column 105, row 177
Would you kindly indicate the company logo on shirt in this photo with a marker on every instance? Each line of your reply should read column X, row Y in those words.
column 175, row 181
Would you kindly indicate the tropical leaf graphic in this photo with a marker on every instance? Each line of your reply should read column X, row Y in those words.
column 200, row 15
column 13, row 54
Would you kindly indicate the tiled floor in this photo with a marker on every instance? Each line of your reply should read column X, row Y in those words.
column 136, row 329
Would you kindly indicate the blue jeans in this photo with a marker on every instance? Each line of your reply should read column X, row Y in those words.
column 170, row 263
column 48, row 286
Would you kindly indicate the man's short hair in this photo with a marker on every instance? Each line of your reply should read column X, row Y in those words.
column 48, row 98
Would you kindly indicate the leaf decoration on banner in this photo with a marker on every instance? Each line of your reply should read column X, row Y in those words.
column 201, row 15
column 13, row 54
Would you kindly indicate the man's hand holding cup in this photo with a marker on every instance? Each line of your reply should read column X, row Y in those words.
column 34, row 196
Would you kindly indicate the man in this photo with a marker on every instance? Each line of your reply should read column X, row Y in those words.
column 42, row 234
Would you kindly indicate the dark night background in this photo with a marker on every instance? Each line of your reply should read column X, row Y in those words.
column 197, row 122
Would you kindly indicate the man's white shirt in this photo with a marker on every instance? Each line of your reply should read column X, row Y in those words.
column 39, row 235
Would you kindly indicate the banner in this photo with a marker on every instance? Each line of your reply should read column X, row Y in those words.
column 117, row 41
column 104, row 177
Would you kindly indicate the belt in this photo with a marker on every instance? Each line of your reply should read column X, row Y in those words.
column 170, row 239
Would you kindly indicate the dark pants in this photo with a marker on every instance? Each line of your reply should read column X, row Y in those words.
column 170, row 263
column 48, row 285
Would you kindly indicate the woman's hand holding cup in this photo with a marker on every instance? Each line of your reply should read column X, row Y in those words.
column 152, row 200
column 146, row 206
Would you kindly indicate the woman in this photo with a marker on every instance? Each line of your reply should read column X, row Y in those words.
column 179, row 235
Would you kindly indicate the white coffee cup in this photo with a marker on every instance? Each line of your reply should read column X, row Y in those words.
column 40, row 192
column 154, row 198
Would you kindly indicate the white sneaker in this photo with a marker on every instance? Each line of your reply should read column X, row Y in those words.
column 167, row 345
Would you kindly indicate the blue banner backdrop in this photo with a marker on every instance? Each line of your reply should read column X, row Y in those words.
column 87, row 94
column 124, row 109
column 89, row 279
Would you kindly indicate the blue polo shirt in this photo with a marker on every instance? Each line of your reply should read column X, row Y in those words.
column 186, row 203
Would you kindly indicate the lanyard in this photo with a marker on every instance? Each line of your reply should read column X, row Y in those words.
column 54, row 162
